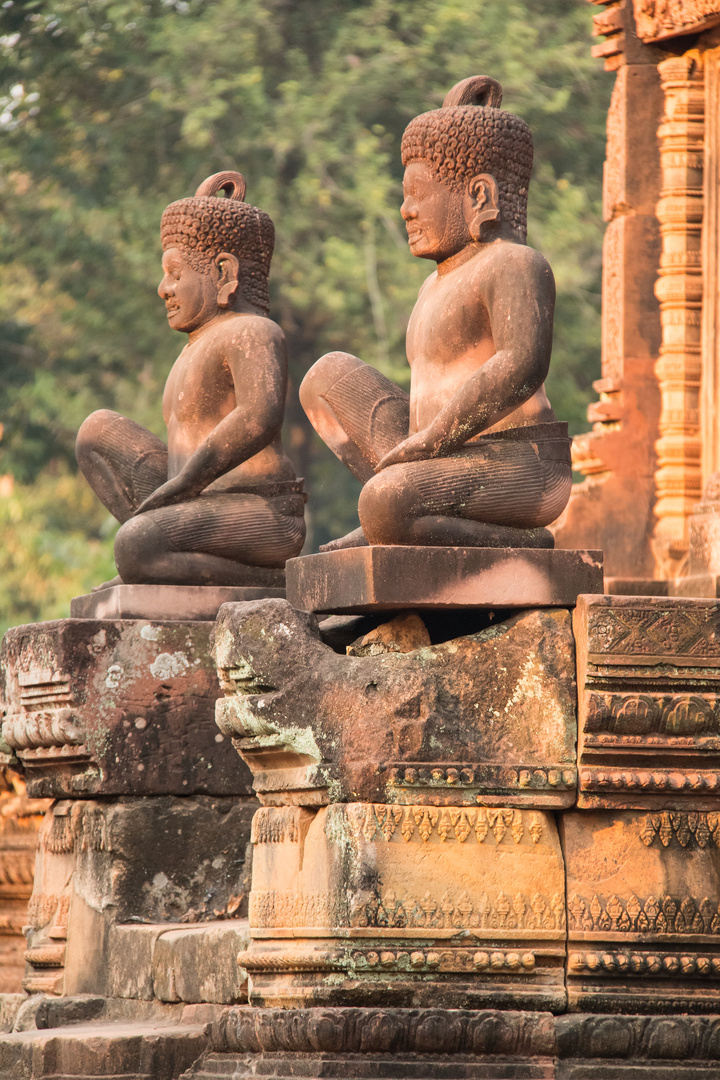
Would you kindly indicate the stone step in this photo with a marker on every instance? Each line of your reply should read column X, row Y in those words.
column 367, row 1067
column 290, row 1066
column 102, row 1051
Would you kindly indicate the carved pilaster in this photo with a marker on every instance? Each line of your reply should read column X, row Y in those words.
column 710, row 400
column 679, row 289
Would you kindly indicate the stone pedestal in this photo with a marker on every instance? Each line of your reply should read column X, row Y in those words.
column 170, row 602
column 382, row 578
column 115, row 719
column 486, row 719
column 123, row 707
column 389, row 905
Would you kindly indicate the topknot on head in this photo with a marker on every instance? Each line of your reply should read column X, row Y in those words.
column 471, row 135
column 208, row 224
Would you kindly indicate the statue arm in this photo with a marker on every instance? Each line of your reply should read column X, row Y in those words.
column 258, row 365
column 520, row 299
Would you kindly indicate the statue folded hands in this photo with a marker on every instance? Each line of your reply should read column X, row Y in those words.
column 474, row 455
column 220, row 504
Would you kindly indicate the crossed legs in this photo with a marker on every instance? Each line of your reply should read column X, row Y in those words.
column 494, row 493
column 216, row 539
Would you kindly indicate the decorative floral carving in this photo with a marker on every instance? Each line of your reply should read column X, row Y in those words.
column 688, row 829
column 379, row 821
column 655, row 630
column 612, row 962
column 654, row 915
column 657, row 19
column 502, row 913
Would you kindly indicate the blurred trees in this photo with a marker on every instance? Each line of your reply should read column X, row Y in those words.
column 110, row 109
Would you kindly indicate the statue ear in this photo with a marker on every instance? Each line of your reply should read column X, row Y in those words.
column 484, row 199
column 228, row 283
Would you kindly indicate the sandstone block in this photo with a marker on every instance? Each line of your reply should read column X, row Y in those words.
column 649, row 708
column 112, row 708
column 199, row 963
column 377, row 904
column 172, row 602
column 643, row 910
column 484, row 719
column 383, row 578
column 105, row 863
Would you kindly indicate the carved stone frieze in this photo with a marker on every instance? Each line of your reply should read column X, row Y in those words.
column 649, row 702
column 473, row 894
column 672, row 965
column 657, row 20
column 643, row 911
column 598, row 1042
column 687, row 830
column 651, row 915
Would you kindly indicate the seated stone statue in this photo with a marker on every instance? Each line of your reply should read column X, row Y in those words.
column 474, row 455
column 221, row 499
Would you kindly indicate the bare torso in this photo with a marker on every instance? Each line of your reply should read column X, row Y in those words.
column 225, row 367
column 450, row 336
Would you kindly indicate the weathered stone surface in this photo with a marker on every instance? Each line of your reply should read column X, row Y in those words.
column 380, row 904
column 112, row 708
column 199, row 963
column 179, row 603
column 137, row 1051
column 403, row 634
column 103, row 863
column 20, row 820
column 384, row 578
column 649, row 702
column 484, row 719
column 370, row 1044
column 643, row 911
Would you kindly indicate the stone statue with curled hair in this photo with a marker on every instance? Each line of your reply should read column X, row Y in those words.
column 219, row 504
column 474, row 455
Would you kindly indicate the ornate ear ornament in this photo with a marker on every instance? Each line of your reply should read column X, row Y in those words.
column 477, row 90
column 232, row 183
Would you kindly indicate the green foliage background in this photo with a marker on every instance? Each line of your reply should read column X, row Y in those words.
column 110, row 109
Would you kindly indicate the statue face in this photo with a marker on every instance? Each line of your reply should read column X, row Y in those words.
column 191, row 296
column 434, row 215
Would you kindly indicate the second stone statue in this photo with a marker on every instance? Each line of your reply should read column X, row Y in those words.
column 220, row 504
column 474, row 456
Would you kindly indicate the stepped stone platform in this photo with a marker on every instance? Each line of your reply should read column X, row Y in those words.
column 202, row 1043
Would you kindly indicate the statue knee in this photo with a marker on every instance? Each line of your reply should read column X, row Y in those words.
column 91, row 431
column 386, row 508
column 138, row 544
column 324, row 373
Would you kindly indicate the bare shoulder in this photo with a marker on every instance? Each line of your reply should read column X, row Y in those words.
column 251, row 331
column 507, row 259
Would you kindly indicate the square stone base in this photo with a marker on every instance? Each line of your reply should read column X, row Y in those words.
column 381, row 578
column 186, row 602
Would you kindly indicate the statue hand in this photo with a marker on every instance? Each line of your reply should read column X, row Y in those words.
column 419, row 447
column 174, row 491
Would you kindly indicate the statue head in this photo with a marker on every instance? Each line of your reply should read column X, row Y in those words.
column 480, row 153
column 225, row 246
